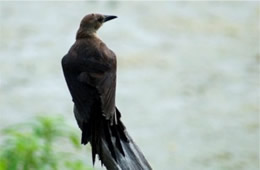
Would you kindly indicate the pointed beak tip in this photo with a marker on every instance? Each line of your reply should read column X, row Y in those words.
column 109, row 17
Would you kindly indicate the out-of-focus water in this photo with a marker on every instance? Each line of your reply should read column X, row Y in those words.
column 188, row 75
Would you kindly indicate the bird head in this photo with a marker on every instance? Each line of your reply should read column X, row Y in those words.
column 92, row 22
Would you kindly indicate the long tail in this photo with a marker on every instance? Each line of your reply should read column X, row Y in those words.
column 114, row 146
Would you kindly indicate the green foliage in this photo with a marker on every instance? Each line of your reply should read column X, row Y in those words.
column 33, row 146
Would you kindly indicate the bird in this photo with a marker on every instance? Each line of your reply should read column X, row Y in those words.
column 90, row 70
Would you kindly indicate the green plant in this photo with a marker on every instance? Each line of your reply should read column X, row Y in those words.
column 33, row 146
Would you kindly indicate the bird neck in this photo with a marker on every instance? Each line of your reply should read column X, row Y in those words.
column 83, row 33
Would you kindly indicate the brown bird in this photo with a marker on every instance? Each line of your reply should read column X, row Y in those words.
column 90, row 72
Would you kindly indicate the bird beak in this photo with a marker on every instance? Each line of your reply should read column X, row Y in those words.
column 109, row 17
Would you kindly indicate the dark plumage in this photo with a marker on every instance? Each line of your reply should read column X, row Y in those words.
column 90, row 72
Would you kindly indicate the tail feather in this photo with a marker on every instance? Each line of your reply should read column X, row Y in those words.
column 115, row 148
column 108, row 139
column 132, row 160
column 94, row 140
column 116, row 134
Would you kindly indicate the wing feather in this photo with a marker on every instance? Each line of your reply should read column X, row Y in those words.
column 91, row 78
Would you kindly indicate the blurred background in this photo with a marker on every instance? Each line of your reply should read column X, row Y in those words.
column 188, row 76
